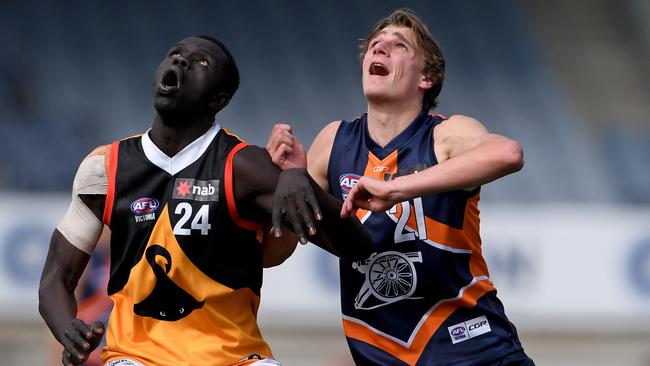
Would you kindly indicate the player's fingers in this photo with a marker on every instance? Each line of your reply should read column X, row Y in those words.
column 306, row 216
column 283, row 138
column 65, row 358
column 77, row 341
column 285, row 149
column 82, row 327
column 292, row 214
column 276, row 218
column 74, row 352
column 98, row 328
column 310, row 197
column 279, row 155
column 345, row 209
column 279, row 134
column 283, row 127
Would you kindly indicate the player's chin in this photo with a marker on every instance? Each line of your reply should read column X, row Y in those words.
column 165, row 102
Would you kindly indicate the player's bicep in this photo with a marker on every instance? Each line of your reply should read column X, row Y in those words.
column 457, row 135
column 64, row 264
column 255, row 179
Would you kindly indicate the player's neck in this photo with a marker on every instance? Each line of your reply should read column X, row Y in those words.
column 171, row 138
column 385, row 121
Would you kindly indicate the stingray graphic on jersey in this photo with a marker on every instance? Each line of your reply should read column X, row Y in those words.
column 167, row 301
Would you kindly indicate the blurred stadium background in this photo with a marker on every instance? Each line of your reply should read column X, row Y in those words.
column 567, row 239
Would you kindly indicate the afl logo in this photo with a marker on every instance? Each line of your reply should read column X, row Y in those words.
column 144, row 205
column 347, row 181
column 458, row 331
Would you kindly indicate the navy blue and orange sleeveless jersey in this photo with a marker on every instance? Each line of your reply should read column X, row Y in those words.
column 424, row 297
column 186, row 270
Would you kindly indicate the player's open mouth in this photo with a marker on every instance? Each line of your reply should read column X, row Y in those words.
column 170, row 82
column 378, row 69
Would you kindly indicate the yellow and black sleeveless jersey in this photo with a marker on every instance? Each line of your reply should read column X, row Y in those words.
column 186, row 270
column 424, row 297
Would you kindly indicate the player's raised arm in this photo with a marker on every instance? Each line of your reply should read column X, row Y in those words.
column 468, row 156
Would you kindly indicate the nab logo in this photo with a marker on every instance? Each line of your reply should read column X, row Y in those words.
column 203, row 191
column 144, row 205
column 197, row 190
column 347, row 181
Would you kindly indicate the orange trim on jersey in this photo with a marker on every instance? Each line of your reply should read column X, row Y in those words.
column 227, row 131
column 378, row 168
column 230, row 193
column 411, row 354
column 471, row 227
column 439, row 115
column 111, row 172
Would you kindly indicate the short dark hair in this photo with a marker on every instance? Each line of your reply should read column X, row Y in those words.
column 229, row 82
column 434, row 61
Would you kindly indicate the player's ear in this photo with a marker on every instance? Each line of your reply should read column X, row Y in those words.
column 219, row 101
column 426, row 82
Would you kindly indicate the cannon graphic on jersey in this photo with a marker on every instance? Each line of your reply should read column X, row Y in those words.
column 390, row 277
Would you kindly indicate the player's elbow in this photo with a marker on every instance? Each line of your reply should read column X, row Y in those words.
column 512, row 156
column 44, row 296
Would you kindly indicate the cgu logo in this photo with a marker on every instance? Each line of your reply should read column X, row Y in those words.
column 348, row 181
column 203, row 191
column 144, row 205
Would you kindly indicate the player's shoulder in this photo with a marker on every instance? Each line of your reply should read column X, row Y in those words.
column 91, row 175
column 101, row 150
column 459, row 123
column 252, row 153
column 331, row 127
column 252, row 160
column 461, row 118
column 326, row 136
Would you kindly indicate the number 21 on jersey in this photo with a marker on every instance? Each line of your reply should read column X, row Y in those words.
column 404, row 232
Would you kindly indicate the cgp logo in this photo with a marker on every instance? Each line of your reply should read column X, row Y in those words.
column 469, row 329
column 143, row 206
column 347, row 181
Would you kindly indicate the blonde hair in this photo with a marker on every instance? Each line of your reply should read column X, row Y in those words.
column 434, row 61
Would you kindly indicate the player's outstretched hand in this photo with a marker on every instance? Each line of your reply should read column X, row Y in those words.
column 294, row 198
column 80, row 341
column 285, row 149
column 369, row 194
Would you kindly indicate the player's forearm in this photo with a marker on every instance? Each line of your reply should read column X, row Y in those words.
column 342, row 237
column 63, row 268
column 58, row 307
column 480, row 165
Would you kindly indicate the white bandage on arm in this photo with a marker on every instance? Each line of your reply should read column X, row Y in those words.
column 79, row 225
